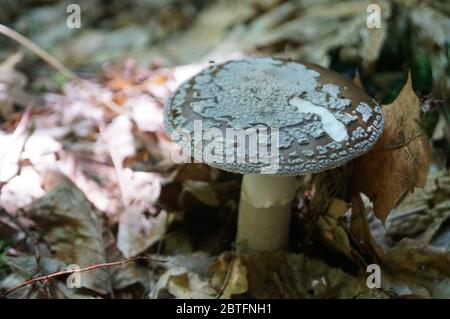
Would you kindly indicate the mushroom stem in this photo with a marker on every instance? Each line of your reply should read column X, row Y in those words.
column 265, row 212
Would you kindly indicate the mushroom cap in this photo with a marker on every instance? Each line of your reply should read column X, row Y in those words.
column 315, row 118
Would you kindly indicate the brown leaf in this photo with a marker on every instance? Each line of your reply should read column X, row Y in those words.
column 202, row 191
column 172, row 188
column 229, row 276
column 24, row 267
column 138, row 232
column 73, row 229
column 282, row 275
column 185, row 276
column 410, row 268
column 422, row 268
column 399, row 161
column 360, row 229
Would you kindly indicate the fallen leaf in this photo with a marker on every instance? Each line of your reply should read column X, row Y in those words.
column 229, row 276
column 172, row 188
column 202, row 191
column 283, row 275
column 24, row 268
column 360, row 229
column 334, row 236
column 71, row 226
column 197, row 262
column 419, row 265
column 185, row 277
column 130, row 274
column 138, row 232
column 337, row 208
column 183, row 285
column 410, row 268
column 399, row 161
column 423, row 214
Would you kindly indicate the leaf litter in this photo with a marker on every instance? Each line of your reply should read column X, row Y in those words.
column 116, row 193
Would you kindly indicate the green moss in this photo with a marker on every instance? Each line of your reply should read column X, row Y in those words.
column 421, row 71
column 60, row 80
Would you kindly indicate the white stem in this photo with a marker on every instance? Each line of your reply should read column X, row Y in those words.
column 265, row 212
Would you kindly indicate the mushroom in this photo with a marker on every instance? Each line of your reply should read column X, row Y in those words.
column 306, row 119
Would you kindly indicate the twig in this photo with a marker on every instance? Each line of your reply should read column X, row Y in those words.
column 71, row 271
column 226, row 279
column 52, row 61
column 402, row 144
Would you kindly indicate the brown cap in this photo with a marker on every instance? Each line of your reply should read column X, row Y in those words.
column 322, row 119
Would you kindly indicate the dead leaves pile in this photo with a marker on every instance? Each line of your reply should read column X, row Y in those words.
column 197, row 212
column 393, row 170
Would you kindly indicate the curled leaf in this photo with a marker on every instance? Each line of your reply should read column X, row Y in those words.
column 399, row 161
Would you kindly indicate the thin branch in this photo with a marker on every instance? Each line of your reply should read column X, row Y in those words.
column 402, row 144
column 226, row 279
column 53, row 62
column 71, row 271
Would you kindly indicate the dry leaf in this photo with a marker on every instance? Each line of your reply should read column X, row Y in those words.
column 410, row 268
column 172, row 188
column 334, row 236
column 399, row 161
column 360, row 229
column 203, row 191
column 24, row 267
column 424, row 214
column 138, row 232
column 420, row 266
column 337, row 208
column 282, row 275
column 185, row 277
column 229, row 276
column 71, row 226
column 180, row 283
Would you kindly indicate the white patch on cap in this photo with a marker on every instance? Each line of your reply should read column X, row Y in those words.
column 365, row 110
column 332, row 126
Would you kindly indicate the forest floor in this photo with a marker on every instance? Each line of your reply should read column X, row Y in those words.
column 87, row 181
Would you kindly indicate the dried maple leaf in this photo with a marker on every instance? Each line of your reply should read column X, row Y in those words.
column 399, row 161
